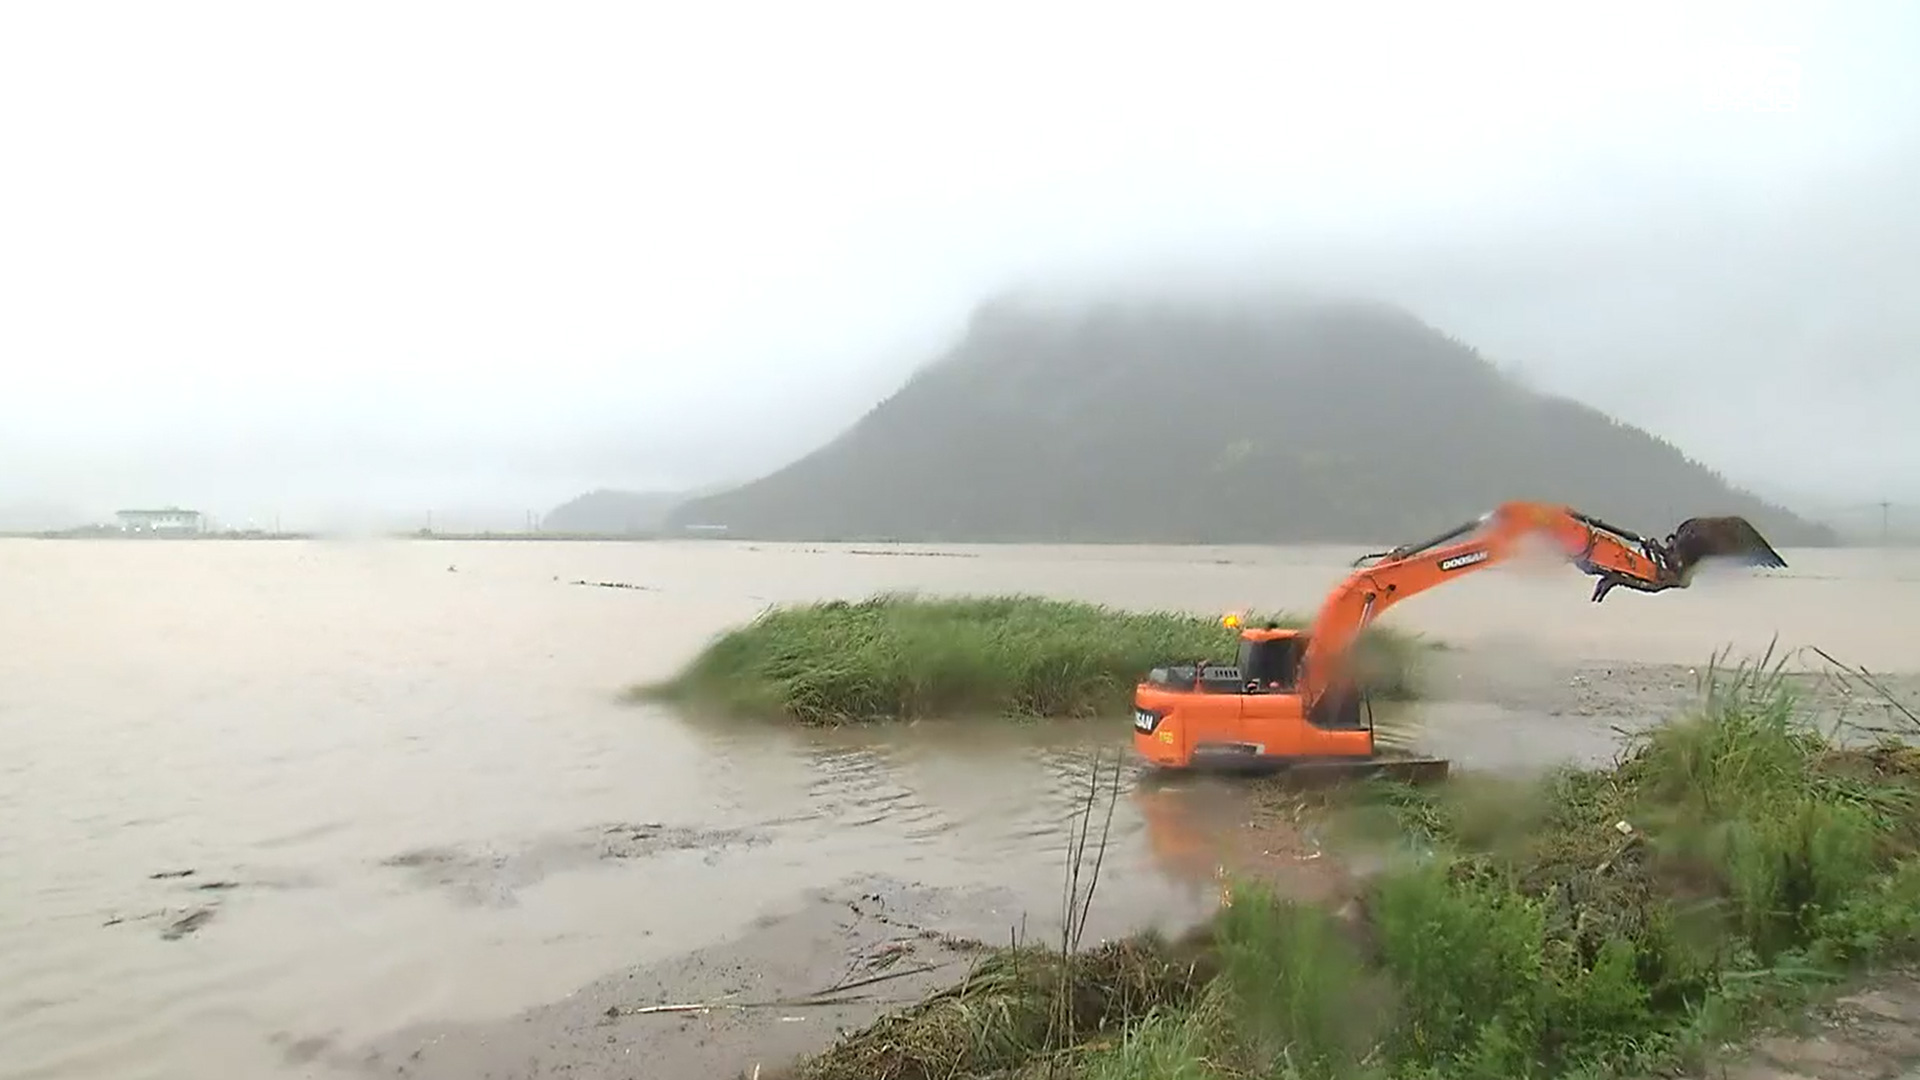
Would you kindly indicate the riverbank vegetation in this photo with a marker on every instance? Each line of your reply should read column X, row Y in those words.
column 1606, row 922
column 901, row 657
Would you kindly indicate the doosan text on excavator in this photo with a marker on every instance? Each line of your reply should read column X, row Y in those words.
column 1290, row 699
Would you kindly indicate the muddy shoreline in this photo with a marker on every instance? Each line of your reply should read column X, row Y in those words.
column 785, row 988
column 915, row 938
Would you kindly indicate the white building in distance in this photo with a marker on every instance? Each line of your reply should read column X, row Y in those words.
column 171, row 520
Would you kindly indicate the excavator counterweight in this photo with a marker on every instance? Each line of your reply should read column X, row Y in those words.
column 1289, row 698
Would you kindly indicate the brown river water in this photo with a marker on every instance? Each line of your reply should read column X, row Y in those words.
column 409, row 794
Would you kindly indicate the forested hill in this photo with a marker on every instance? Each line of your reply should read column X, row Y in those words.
column 1175, row 424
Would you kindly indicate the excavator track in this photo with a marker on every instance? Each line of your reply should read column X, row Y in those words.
column 1320, row 772
column 1409, row 768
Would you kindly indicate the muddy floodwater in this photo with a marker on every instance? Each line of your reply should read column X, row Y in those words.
column 374, row 808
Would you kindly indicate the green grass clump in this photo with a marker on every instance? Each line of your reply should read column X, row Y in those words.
column 903, row 657
column 1623, row 921
column 1017, row 1008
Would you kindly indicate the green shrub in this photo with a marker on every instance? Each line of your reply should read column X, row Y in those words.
column 1297, row 987
column 1603, row 918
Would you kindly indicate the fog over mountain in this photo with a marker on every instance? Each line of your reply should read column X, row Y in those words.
column 364, row 263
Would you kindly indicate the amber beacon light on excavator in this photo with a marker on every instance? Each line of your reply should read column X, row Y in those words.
column 1291, row 699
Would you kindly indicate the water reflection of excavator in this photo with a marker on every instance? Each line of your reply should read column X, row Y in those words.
column 1201, row 836
column 1292, row 697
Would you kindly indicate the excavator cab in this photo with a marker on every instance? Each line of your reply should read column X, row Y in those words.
column 1270, row 659
column 1248, row 712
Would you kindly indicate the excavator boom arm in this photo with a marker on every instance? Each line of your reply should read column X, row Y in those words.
column 1614, row 555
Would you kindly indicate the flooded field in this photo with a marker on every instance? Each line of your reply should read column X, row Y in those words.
column 352, row 808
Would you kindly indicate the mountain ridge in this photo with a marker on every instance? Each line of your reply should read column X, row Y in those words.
column 611, row 512
column 1179, row 421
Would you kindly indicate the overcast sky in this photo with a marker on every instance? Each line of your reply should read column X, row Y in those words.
column 282, row 258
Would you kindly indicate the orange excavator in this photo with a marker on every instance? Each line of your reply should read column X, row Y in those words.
column 1291, row 698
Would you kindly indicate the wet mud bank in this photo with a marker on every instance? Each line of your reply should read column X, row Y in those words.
column 1508, row 708
column 789, row 986
column 1525, row 680
column 1870, row 1032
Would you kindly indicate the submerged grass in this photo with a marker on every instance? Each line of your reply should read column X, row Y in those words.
column 1603, row 922
column 1008, row 1013
column 902, row 657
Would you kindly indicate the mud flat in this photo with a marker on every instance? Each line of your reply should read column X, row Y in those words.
column 788, row 987
column 1511, row 707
